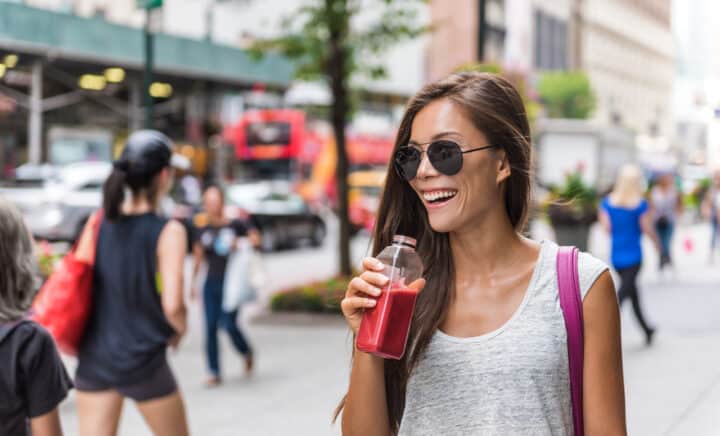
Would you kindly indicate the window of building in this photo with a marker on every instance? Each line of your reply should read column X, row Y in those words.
column 550, row 39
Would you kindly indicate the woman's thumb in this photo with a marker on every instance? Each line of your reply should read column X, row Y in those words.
column 417, row 285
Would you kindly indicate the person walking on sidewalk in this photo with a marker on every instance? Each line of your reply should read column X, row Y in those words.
column 711, row 210
column 666, row 207
column 487, row 351
column 216, row 239
column 33, row 380
column 625, row 214
column 138, row 308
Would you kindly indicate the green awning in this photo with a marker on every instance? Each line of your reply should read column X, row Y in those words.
column 93, row 40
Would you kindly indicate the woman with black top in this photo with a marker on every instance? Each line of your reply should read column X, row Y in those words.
column 216, row 239
column 33, row 381
column 138, row 308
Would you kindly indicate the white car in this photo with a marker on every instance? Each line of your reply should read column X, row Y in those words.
column 282, row 216
column 58, row 209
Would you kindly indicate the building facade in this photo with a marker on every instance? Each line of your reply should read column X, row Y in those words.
column 625, row 47
column 455, row 34
column 697, row 87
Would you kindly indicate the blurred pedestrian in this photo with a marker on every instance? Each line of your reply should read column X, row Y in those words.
column 711, row 211
column 487, row 350
column 665, row 207
column 33, row 380
column 625, row 214
column 138, row 308
column 216, row 239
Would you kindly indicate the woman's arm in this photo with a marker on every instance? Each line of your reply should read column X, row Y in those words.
column 604, row 220
column 47, row 424
column 198, row 257
column 365, row 411
column 171, row 256
column 646, row 225
column 604, row 391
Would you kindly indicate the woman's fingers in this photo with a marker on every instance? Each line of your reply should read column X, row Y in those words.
column 353, row 304
column 375, row 278
column 358, row 285
column 372, row 264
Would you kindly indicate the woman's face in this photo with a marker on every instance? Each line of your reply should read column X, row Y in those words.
column 456, row 202
column 213, row 202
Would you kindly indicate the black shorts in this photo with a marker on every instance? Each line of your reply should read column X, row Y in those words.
column 160, row 383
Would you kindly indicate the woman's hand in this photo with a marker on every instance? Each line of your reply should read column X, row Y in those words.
column 363, row 291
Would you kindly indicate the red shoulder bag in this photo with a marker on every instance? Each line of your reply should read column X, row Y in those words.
column 63, row 304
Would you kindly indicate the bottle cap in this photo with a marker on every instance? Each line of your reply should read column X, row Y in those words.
column 405, row 241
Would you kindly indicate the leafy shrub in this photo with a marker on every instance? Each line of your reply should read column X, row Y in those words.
column 319, row 297
column 566, row 94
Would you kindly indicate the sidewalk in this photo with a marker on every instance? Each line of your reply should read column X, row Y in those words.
column 673, row 388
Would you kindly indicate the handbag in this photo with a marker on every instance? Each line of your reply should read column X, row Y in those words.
column 63, row 304
column 238, row 286
column 571, row 304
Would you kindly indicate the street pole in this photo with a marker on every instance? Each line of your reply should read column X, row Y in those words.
column 148, row 70
column 482, row 30
column 36, row 116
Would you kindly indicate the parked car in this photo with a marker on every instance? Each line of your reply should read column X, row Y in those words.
column 57, row 208
column 283, row 218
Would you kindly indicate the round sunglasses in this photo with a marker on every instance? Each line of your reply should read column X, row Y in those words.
column 445, row 156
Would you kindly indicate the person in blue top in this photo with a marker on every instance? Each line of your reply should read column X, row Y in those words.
column 625, row 215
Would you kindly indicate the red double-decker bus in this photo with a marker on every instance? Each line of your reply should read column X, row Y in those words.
column 283, row 144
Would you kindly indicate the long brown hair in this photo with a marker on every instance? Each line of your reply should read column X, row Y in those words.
column 496, row 109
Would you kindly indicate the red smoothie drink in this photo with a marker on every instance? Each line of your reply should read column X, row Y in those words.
column 384, row 328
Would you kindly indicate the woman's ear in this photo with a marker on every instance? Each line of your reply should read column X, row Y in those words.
column 503, row 167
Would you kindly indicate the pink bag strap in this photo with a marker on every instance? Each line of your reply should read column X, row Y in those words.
column 571, row 303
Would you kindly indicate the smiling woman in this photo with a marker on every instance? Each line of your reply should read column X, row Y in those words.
column 487, row 351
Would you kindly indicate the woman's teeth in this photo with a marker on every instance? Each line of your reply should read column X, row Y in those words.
column 438, row 195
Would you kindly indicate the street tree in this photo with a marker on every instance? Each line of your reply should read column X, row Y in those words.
column 328, row 42
column 567, row 94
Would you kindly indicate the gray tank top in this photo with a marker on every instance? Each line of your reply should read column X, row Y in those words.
column 511, row 381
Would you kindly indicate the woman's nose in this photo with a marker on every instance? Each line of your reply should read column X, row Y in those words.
column 425, row 169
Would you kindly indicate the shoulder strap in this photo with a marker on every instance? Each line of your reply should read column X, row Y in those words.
column 571, row 303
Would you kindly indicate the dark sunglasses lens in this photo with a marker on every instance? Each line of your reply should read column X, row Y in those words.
column 446, row 157
column 407, row 161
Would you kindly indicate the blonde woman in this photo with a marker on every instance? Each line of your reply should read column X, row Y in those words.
column 625, row 215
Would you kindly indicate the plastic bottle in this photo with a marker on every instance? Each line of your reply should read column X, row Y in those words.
column 384, row 328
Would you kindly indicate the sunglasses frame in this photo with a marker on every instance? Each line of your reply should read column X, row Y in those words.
column 401, row 173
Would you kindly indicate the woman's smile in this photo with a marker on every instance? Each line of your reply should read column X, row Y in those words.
column 437, row 198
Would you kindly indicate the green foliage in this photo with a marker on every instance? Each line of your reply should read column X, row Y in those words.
column 566, row 94
column 320, row 297
column 46, row 259
column 574, row 201
column 307, row 40
column 576, row 190
column 490, row 67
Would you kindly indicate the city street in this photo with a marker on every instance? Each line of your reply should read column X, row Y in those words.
column 672, row 388
column 234, row 114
